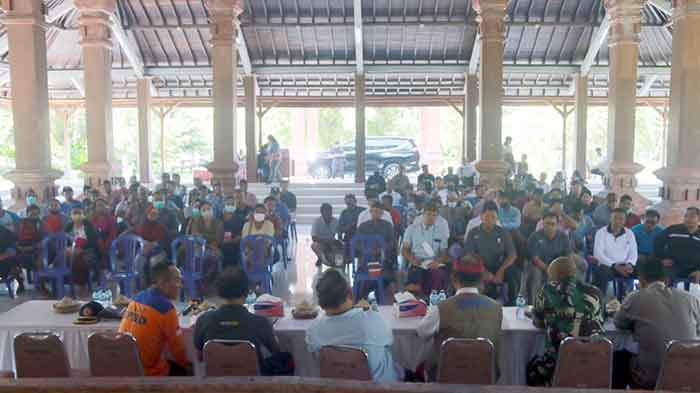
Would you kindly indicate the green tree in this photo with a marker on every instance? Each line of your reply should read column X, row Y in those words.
column 332, row 128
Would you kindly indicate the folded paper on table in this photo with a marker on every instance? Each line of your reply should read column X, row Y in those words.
column 269, row 306
column 407, row 306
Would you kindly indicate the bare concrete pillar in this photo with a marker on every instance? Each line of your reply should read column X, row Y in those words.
column 250, row 88
column 625, row 18
column 581, row 95
column 360, row 144
column 143, row 101
column 223, row 15
column 491, row 15
column 471, row 101
column 26, row 30
column 681, row 176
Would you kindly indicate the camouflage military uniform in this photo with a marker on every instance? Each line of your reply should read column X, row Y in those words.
column 566, row 309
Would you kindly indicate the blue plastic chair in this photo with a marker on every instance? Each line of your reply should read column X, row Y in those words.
column 261, row 255
column 362, row 251
column 192, row 272
column 128, row 247
column 58, row 268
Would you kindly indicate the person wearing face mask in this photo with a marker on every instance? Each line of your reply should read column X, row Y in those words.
column 233, row 222
column 54, row 221
column 166, row 214
column 105, row 225
column 273, row 215
column 212, row 229
column 155, row 249
column 29, row 237
column 258, row 224
column 425, row 249
column 83, row 253
column 30, row 199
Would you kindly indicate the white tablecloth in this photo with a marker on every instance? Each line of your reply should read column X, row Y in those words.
column 519, row 342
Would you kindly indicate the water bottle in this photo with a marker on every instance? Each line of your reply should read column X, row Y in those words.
column 372, row 300
column 434, row 298
column 250, row 299
column 610, row 292
column 107, row 298
column 521, row 303
column 442, row 297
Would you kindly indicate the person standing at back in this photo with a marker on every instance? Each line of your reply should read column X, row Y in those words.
column 152, row 319
column 656, row 314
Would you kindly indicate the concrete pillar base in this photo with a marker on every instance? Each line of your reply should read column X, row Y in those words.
column 97, row 172
column 681, row 190
column 42, row 182
column 622, row 181
column 492, row 173
column 224, row 173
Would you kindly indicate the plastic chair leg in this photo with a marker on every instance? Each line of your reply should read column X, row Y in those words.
column 380, row 292
column 59, row 288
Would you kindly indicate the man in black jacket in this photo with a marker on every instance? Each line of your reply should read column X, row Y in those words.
column 375, row 185
column 678, row 246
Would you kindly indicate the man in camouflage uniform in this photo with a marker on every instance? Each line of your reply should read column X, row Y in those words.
column 564, row 307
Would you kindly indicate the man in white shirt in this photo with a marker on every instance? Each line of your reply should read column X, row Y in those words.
column 467, row 314
column 615, row 250
column 425, row 249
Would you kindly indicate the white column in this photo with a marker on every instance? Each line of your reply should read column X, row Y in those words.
column 250, row 88
column 491, row 15
column 26, row 30
column 360, row 143
column 144, row 100
column 681, row 176
column 625, row 16
column 471, row 101
column 96, row 41
column 581, row 96
column 223, row 19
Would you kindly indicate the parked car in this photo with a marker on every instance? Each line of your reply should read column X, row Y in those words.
column 383, row 153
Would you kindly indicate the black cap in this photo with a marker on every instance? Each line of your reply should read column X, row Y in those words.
column 67, row 188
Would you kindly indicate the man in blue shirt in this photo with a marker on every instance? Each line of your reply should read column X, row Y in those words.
column 645, row 234
column 344, row 325
column 70, row 203
column 508, row 215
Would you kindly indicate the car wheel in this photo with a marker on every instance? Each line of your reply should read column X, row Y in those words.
column 321, row 172
column 391, row 170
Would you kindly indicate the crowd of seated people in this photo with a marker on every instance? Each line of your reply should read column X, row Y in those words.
column 102, row 214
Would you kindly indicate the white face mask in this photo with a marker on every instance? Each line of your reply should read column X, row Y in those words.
column 259, row 217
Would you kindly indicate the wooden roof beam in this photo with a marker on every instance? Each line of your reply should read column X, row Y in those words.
column 133, row 55
column 243, row 53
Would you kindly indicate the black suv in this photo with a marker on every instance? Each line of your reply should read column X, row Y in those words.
column 384, row 153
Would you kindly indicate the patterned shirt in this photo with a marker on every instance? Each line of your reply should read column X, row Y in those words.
column 568, row 309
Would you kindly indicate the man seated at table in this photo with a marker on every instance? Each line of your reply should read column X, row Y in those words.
column 232, row 321
column 344, row 325
column 425, row 250
column 565, row 307
column 153, row 321
column 656, row 314
column 467, row 314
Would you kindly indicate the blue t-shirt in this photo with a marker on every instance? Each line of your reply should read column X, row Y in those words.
column 357, row 328
column 645, row 240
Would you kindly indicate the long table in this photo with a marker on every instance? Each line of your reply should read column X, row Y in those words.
column 519, row 342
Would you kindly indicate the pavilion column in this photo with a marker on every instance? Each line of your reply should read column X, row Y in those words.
column 224, row 56
column 26, row 30
column 581, row 96
column 471, row 101
column 681, row 176
column 96, row 41
column 625, row 18
column 360, row 144
column 491, row 14
column 250, row 117
column 144, row 101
